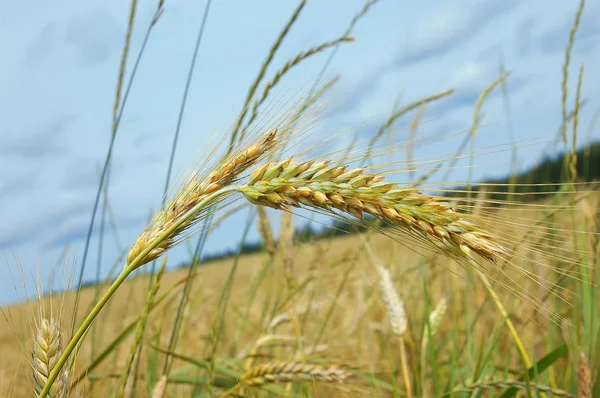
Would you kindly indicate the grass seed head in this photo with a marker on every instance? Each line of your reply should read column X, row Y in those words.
column 47, row 348
column 278, row 372
column 192, row 193
column 393, row 302
column 319, row 185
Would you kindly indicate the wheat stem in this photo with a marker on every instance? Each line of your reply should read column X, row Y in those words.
column 506, row 317
column 129, row 268
column 404, row 362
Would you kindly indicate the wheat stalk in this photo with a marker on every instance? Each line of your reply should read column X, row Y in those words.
column 435, row 320
column 319, row 185
column 191, row 194
column 47, row 348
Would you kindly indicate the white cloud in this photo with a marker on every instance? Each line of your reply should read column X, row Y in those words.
column 439, row 32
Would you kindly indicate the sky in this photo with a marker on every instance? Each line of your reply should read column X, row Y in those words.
column 59, row 70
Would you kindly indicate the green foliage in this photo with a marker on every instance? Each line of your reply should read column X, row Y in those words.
column 529, row 185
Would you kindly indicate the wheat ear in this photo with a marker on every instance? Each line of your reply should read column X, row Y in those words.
column 274, row 372
column 319, row 185
column 187, row 208
column 47, row 348
column 191, row 194
column 285, row 372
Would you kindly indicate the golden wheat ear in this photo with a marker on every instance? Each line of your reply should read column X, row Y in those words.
column 47, row 348
column 192, row 193
column 277, row 372
column 319, row 185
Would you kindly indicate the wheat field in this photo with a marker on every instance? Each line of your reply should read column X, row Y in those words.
column 420, row 288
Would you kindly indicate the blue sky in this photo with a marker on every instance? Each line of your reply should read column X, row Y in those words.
column 59, row 69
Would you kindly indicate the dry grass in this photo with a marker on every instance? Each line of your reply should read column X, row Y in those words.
column 354, row 317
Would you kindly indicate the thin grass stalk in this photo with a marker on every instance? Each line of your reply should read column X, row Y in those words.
column 404, row 362
column 517, row 340
column 112, row 141
column 565, row 70
column 311, row 100
column 141, row 325
column 122, row 336
column 357, row 17
column 414, row 126
column 510, row 128
column 286, row 248
column 129, row 268
column 254, row 286
column 401, row 112
column 264, row 229
column 285, row 69
column 432, row 325
column 218, row 321
column 115, row 125
column 263, row 71
column 185, row 294
column 184, row 98
column 98, row 266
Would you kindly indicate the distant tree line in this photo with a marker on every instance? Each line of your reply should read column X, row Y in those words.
column 528, row 186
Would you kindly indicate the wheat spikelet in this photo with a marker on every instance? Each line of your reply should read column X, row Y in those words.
column 319, row 185
column 192, row 193
column 274, row 372
column 393, row 302
column 47, row 348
